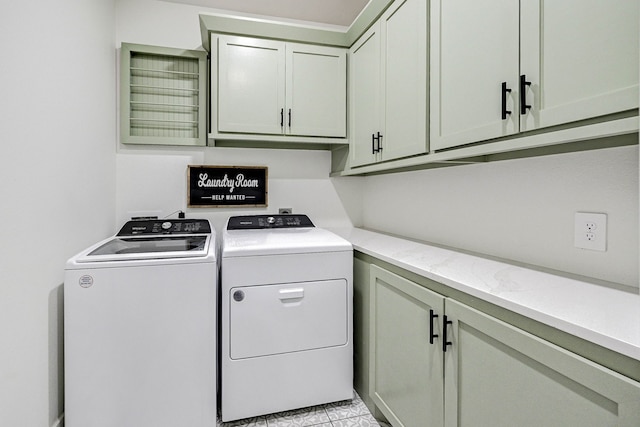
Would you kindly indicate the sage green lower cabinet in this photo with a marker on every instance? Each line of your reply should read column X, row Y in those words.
column 361, row 323
column 405, row 370
column 498, row 375
column 489, row 374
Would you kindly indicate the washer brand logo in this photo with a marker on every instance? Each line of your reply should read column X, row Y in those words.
column 85, row 281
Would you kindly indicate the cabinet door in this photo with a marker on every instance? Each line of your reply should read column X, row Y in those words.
column 498, row 375
column 403, row 30
column 316, row 90
column 405, row 369
column 581, row 59
column 474, row 49
column 364, row 82
column 251, row 79
column 361, row 327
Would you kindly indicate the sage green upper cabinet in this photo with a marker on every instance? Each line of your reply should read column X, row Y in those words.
column 581, row 59
column 364, row 88
column 503, row 67
column 388, row 86
column 316, row 90
column 276, row 88
column 474, row 48
column 251, row 79
column 403, row 32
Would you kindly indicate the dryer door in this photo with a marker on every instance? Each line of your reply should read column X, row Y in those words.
column 283, row 318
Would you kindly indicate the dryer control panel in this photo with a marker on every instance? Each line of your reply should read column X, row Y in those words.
column 168, row 226
column 256, row 222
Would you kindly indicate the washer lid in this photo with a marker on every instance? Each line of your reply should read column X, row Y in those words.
column 146, row 248
column 281, row 241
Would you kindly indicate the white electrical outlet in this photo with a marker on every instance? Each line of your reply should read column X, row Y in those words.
column 590, row 231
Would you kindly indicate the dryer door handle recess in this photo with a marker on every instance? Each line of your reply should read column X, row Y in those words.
column 288, row 294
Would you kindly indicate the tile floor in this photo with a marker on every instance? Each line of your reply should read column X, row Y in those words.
column 347, row 413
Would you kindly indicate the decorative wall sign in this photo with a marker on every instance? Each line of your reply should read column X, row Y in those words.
column 227, row 186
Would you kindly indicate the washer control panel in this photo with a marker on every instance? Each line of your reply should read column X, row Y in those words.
column 256, row 222
column 165, row 226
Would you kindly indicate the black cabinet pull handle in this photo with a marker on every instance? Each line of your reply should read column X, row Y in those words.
column 376, row 149
column 432, row 336
column 281, row 117
column 289, row 117
column 445, row 342
column 523, row 96
column 505, row 90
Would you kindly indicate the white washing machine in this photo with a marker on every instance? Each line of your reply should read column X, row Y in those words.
column 140, row 313
column 286, row 331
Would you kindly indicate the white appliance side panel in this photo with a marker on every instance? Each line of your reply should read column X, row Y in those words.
column 140, row 347
column 275, row 319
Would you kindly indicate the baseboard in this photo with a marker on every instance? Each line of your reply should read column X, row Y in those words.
column 59, row 422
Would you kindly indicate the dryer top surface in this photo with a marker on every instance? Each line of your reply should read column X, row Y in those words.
column 242, row 243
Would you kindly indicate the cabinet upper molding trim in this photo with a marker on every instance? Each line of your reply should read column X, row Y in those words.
column 273, row 29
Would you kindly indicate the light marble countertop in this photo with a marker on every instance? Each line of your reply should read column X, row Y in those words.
column 600, row 314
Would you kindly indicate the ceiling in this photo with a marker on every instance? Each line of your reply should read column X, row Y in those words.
column 334, row 12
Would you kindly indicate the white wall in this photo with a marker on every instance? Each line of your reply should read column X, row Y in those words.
column 57, row 181
column 61, row 168
column 154, row 178
column 521, row 210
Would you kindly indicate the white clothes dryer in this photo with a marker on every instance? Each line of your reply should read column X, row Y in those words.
column 140, row 328
column 286, row 329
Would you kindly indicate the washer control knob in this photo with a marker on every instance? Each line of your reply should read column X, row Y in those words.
column 238, row 296
column 166, row 225
column 271, row 220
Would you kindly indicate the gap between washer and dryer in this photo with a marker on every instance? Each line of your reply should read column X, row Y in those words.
column 346, row 413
